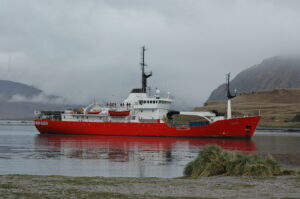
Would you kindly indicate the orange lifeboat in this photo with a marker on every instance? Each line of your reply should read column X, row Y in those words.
column 118, row 113
column 94, row 112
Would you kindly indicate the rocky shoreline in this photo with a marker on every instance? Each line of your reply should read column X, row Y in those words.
column 30, row 186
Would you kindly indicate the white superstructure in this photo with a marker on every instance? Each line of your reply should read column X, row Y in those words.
column 138, row 107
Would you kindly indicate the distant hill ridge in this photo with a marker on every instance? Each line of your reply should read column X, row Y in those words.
column 18, row 100
column 9, row 88
column 276, row 72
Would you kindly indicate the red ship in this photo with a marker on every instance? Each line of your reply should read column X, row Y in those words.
column 144, row 115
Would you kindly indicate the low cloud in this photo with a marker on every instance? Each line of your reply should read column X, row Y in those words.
column 41, row 98
column 91, row 49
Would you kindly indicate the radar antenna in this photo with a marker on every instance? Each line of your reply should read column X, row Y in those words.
column 145, row 75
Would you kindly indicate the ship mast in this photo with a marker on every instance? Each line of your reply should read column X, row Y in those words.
column 229, row 96
column 145, row 75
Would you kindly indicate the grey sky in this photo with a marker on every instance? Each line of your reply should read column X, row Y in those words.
column 85, row 49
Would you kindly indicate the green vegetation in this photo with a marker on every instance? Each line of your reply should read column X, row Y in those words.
column 212, row 160
column 8, row 186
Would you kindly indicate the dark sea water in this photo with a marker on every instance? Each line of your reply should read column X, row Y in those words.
column 24, row 151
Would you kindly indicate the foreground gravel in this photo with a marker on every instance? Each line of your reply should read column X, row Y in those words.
column 27, row 186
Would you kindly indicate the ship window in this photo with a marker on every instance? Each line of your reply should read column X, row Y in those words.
column 144, row 102
column 141, row 111
column 147, row 101
column 151, row 102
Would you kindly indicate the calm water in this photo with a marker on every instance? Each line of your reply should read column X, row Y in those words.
column 24, row 151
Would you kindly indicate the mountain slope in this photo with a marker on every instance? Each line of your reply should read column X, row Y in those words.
column 276, row 72
column 9, row 88
column 19, row 100
column 278, row 107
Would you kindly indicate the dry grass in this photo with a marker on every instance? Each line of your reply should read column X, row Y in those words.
column 212, row 160
column 279, row 107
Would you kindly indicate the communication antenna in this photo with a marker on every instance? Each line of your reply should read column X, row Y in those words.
column 144, row 74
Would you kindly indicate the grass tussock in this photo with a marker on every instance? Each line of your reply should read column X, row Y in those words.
column 213, row 160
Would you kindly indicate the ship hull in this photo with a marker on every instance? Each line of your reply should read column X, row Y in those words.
column 231, row 128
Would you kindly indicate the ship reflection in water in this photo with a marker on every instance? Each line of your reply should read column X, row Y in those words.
column 127, row 156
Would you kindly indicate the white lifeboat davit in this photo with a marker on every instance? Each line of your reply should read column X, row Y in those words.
column 95, row 109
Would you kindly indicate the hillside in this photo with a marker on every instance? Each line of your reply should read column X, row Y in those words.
column 278, row 107
column 9, row 88
column 276, row 72
column 18, row 100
